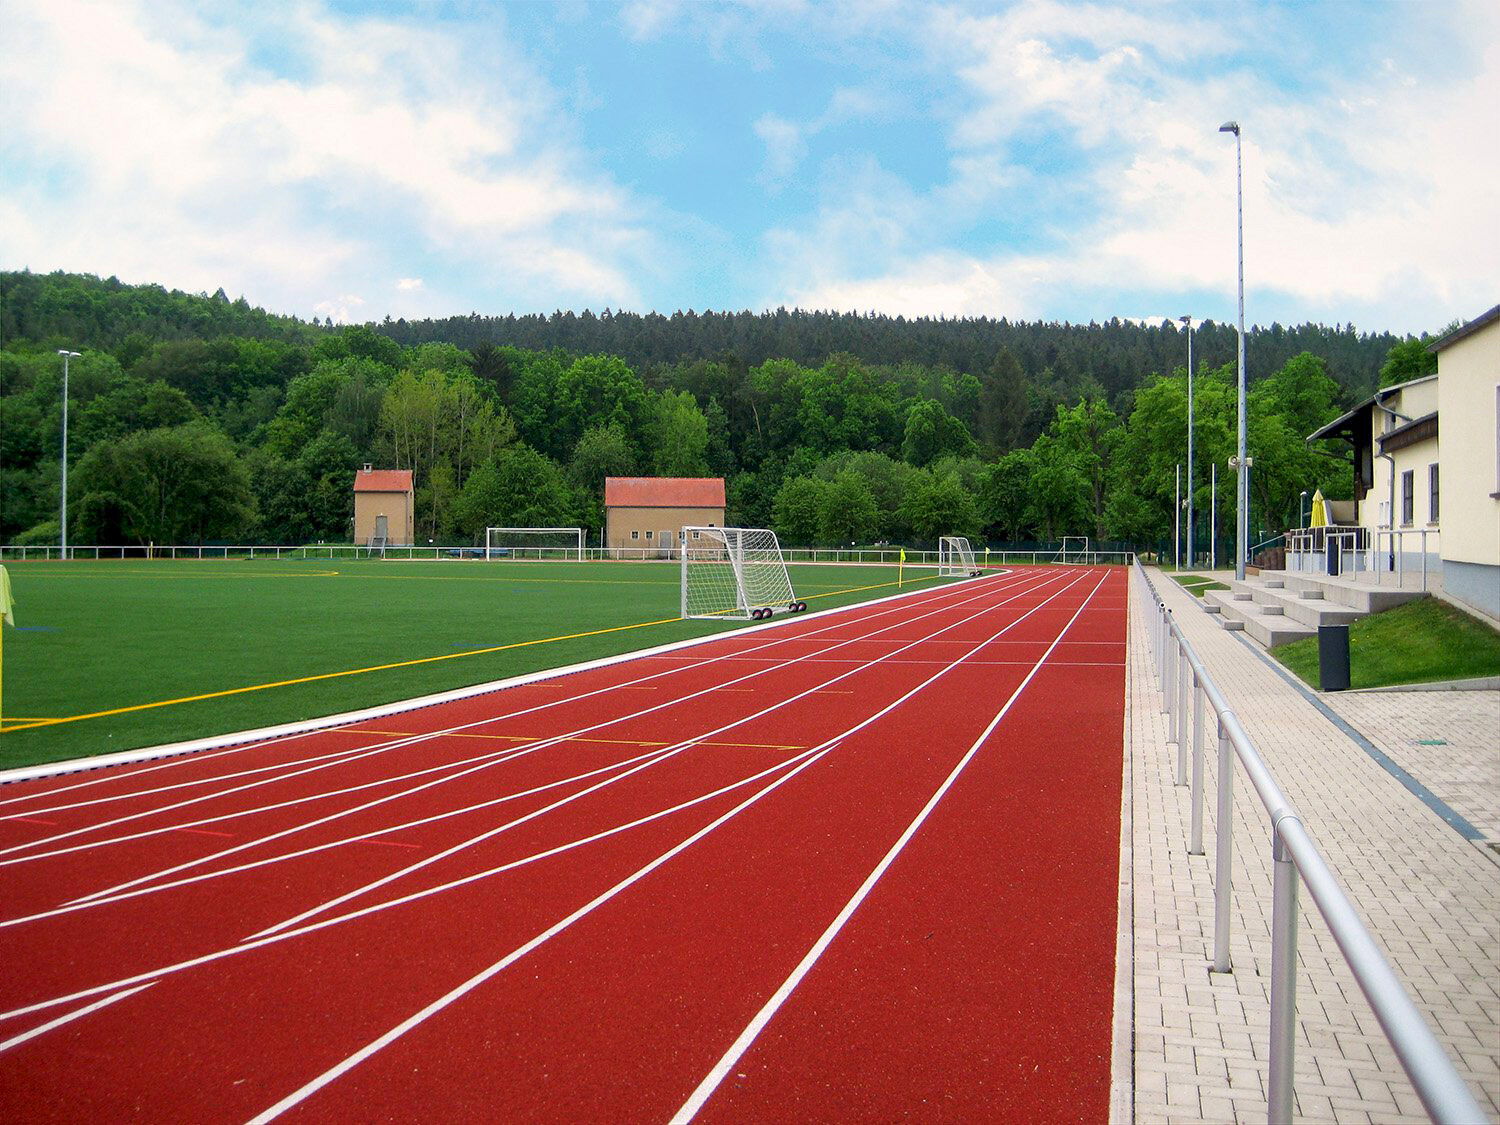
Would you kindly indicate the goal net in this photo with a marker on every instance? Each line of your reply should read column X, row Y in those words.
column 735, row 572
column 1075, row 549
column 955, row 557
column 533, row 542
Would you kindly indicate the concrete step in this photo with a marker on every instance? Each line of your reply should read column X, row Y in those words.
column 1268, row 625
column 1358, row 593
column 1306, row 607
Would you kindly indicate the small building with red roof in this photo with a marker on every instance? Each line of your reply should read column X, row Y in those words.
column 383, row 508
column 647, row 514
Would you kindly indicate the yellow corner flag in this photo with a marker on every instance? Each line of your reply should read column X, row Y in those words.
column 7, row 617
column 900, row 567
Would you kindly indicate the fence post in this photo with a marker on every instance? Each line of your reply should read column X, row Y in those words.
column 1184, row 674
column 1223, row 852
column 1195, row 835
column 1283, row 980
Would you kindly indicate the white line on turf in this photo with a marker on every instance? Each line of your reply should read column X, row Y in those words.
column 333, row 1073
column 284, row 770
column 673, row 751
column 183, row 753
column 486, row 761
column 752, row 1031
column 363, row 753
column 246, row 947
column 69, row 1017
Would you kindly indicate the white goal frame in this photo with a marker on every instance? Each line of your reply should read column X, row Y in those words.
column 566, row 542
column 1075, row 549
column 956, row 557
column 735, row 573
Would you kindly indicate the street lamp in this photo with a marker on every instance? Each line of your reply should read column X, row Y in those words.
column 1302, row 503
column 67, row 355
column 1242, row 481
column 1189, row 322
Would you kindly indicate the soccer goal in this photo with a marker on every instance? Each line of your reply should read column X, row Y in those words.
column 533, row 543
column 735, row 572
column 1075, row 549
column 956, row 557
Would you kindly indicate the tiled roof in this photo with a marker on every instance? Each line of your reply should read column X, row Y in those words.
column 664, row 492
column 382, row 480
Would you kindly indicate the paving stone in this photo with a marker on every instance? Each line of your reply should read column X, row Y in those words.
column 1430, row 897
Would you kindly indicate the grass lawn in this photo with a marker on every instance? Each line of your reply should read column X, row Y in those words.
column 141, row 638
column 1197, row 584
column 1419, row 642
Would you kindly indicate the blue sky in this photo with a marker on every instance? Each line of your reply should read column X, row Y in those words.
column 1037, row 160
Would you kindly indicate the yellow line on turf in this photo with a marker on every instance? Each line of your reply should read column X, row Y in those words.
column 38, row 723
column 336, row 675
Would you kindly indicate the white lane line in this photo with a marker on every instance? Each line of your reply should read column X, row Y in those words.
column 817, row 753
column 69, row 1017
column 89, row 902
column 672, row 751
column 246, row 947
column 752, row 1031
column 360, row 753
column 486, row 761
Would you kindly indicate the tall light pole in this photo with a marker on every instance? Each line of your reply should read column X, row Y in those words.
column 1242, row 495
column 1189, row 322
column 67, row 355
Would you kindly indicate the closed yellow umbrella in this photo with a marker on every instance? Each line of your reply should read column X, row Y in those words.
column 1319, row 517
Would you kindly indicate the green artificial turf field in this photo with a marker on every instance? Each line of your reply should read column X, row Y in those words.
column 139, row 639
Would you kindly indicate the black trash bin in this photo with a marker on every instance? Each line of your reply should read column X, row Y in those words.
column 1334, row 556
column 1333, row 657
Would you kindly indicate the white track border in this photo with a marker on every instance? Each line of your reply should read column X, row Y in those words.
column 325, row 722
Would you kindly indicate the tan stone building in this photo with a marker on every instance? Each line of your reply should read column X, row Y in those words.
column 647, row 514
column 383, row 507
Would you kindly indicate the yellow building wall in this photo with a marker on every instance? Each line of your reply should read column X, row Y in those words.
column 1469, row 395
column 396, row 507
column 620, row 522
column 1412, row 402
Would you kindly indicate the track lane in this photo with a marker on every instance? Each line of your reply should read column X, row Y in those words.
column 386, row 941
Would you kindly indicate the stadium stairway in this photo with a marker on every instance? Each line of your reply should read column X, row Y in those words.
column 1277, row 606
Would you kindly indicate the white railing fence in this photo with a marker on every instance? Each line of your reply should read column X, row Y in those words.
column 1187, row 692
column 882, row 556
column 1382, row 554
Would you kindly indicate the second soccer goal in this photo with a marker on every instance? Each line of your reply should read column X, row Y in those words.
column 955, row 557
column 736, row 573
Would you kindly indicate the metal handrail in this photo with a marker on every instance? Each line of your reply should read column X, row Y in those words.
column 1438, row 1084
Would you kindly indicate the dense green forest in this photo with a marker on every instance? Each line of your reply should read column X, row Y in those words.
column 195, row 418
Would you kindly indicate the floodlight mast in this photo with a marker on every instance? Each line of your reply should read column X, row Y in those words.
column 1242, row 478
column 1189, row 322
column 63, row 527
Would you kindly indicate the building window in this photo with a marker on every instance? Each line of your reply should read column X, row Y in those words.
column 635, row 535
column 1408, row 498
column 1432, row 493
column 650, row 535
column 697, row 534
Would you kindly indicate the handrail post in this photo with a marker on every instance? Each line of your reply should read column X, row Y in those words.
column 1184, row 673
column 1195, row 833
column 1279, row 1085
column 1223, row 852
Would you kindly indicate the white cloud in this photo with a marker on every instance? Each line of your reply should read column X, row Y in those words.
column 408, row 284
column 1368, row 193
column 343, row 309
column 168, row 153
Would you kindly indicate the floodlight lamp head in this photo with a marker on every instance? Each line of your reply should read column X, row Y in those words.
column 1230, row 127
column 1186, row 320
column 74, row 355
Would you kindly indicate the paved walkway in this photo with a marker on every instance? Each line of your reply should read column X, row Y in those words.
column 1430, row 896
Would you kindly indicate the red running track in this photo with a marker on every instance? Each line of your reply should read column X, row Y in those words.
column 859, row 865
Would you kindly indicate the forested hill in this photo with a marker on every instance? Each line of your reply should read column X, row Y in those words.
column 197, row 418
column 1116, row 355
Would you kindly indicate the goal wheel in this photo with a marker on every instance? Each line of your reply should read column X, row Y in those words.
column 799, row 607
